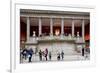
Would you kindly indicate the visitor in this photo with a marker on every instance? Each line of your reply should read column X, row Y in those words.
column 49, row 55
column 40, row 55
column 83, row 51
column 46, row 53
column 46, row 50
column 58, row 56
column 30, row 53
column 62, row 55
column 24, row 53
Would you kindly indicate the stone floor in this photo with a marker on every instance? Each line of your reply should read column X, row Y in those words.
column 75, row 57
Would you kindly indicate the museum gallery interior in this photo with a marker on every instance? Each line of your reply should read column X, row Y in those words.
column 54, row 30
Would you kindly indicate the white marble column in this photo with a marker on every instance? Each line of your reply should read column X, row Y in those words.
column 72, row 28
column 51, row 26
column 83, row 30
column 62, row 26
column 28, row 28
column 40, row 26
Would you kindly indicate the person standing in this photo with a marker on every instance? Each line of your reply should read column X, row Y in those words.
column 46, row 53
column 46, row 56
column 49, row 55
column 46, row 50
column 58, row 56
column 83, row 51
column 62, row 55
column 40, row 55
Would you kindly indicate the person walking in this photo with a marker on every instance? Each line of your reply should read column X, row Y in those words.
column 40, row 55
column 62, row 55
column 49, row 55
column 30, row 53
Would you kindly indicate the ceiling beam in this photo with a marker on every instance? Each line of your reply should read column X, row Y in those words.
column 55, row 16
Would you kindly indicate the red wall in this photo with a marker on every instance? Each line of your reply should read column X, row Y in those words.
column 23, row 31
column 47, row 30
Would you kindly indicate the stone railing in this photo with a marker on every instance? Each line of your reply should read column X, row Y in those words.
column 79, row 40
column 32, row 40
column 51, row 38
column 55, row 38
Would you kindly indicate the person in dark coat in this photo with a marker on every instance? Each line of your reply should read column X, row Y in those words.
column 40, row 55
column 46, row 56
column 49, row 55
column 30, row 53
column 62, row 55
column 46, row 50
column 58, row 56
column 82, row 51
column 46, row 53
